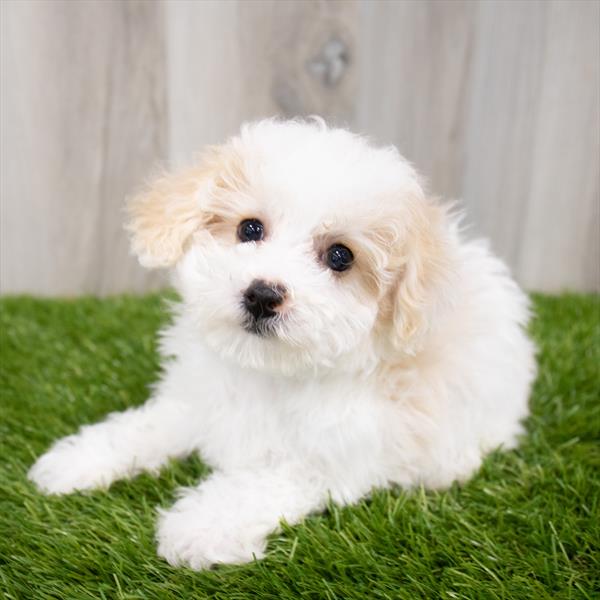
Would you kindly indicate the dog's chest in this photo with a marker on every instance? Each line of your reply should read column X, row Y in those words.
column 255, row 418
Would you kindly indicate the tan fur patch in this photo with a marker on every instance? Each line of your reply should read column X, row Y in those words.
column 404, row 257
column 423, row 265
column 163, row 216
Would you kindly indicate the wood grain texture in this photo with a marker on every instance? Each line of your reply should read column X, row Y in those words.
column 415, row 62
column 234, row 61
column 496, row 102
column 563, row 206
column 83, row 120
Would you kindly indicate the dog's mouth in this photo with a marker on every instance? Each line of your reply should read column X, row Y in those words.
column 260, row 327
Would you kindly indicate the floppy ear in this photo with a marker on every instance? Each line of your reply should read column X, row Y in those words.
column 163, row 216
column 424, row 275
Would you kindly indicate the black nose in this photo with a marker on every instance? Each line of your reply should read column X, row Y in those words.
column 261, row 298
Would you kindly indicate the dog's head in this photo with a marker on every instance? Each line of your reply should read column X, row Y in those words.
column 296, row 246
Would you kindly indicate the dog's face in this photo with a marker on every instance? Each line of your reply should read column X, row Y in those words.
column 296, row 247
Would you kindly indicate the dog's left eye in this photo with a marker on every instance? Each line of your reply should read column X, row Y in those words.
column 339, row 257
column 250, row 230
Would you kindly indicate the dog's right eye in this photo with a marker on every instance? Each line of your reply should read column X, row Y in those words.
column 250, row 230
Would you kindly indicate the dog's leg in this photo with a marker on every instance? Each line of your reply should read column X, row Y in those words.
column 126, row 443
column 229, row 516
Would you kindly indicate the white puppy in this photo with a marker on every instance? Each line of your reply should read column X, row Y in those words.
column 335, row 334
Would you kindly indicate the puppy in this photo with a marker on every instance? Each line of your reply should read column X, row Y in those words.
column 336, row 334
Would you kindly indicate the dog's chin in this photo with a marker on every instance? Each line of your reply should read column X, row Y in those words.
column 274, row 349
column 258, row 345
column 260, row 327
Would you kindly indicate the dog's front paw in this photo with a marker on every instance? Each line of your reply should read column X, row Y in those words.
column 190, row 534
column 73, row 463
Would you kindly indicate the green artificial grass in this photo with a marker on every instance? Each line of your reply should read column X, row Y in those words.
column 527, row 526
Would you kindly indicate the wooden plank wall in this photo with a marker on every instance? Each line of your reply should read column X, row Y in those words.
column 84, row 109
column 497, row 102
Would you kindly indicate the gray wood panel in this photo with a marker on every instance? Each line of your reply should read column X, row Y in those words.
column 83, row 120
column 563, row 206
column 414, row 70
column 239, row 60
column 496, row 102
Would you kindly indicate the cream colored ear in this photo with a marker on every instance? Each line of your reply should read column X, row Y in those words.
column 426, row 268
column 163, row 217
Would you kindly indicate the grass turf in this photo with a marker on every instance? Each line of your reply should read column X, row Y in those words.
column 527, row 526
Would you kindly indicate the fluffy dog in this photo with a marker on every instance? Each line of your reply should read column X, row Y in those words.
column 335, row 334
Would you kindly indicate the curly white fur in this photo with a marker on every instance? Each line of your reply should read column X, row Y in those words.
column 406, row 370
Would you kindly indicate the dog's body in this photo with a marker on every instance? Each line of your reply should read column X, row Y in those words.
column 346, row 339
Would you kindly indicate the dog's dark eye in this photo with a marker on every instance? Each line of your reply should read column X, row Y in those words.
column 250, row 230
column 339, row 258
